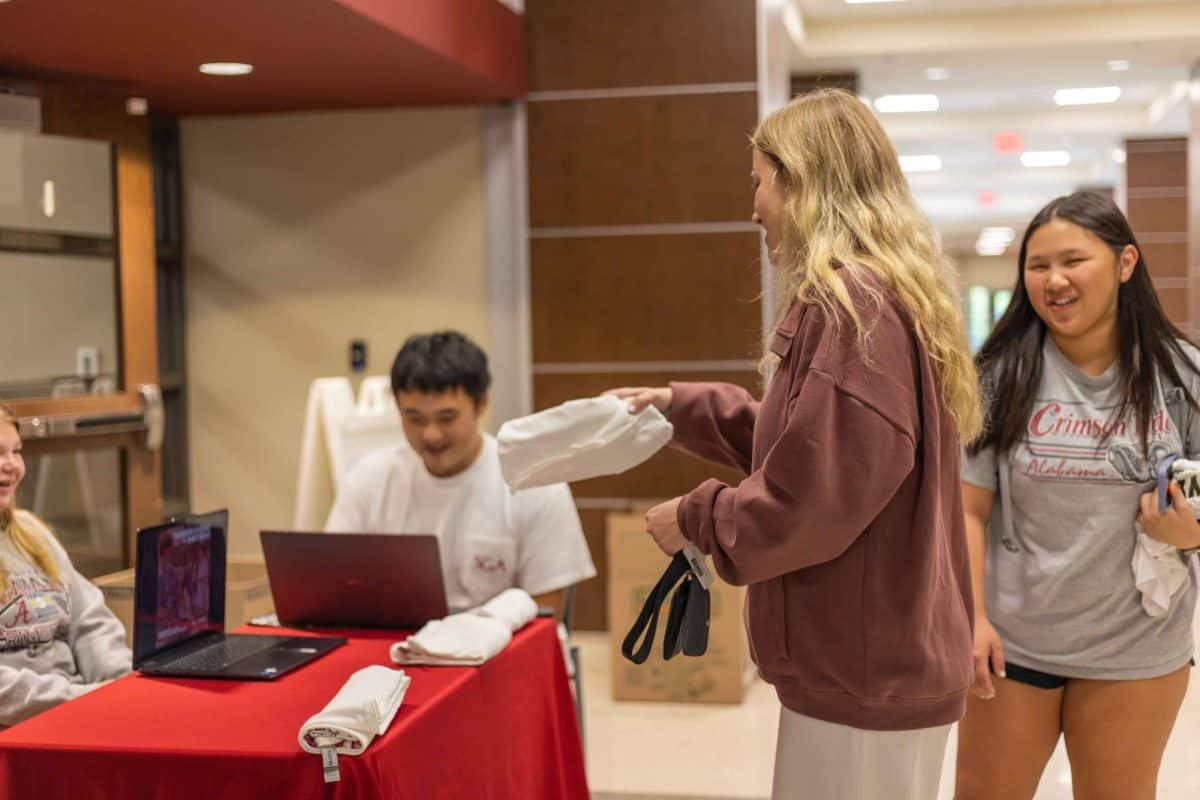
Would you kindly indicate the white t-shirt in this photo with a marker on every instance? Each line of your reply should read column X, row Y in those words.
column 490, row 538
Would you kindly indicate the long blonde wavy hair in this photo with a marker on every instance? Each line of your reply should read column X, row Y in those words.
column 848, row 203
column 24, row 540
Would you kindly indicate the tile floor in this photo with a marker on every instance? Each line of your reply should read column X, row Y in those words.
column 666, row 751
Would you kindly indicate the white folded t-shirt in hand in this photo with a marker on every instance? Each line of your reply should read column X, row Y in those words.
column 1158, row 571
column 579, row 439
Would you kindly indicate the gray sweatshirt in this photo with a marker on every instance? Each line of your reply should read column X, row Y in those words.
column 57, row 641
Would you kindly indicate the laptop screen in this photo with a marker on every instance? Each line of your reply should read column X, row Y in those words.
column 179, row 585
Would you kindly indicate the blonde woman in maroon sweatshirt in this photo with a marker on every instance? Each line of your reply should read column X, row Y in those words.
column 848, row 527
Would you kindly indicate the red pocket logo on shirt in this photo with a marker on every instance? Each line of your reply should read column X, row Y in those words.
column 490, row 564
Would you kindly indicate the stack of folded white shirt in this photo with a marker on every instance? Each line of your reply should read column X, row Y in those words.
column 471, row 638
column 1158, row 571
column 363, row 708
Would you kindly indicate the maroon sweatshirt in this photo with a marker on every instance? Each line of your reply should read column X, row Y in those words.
column 848, row 528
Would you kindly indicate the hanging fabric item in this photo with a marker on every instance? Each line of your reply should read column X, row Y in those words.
column 687, row 620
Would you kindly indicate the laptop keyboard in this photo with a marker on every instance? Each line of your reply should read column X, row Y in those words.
column 219, row 655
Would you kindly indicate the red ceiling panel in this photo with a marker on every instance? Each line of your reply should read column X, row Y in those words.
column 306, row 54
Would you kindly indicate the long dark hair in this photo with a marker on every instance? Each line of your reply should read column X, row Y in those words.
column 1010, row 361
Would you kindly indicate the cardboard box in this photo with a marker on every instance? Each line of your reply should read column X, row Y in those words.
column 247, row 593
column 722, row 675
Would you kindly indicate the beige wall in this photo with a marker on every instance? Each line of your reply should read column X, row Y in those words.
column 303, row 232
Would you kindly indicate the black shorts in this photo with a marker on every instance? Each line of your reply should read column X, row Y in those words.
column 1033, row 677
column 1037, row 678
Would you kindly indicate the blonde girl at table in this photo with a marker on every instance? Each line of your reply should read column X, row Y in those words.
column 57, row 638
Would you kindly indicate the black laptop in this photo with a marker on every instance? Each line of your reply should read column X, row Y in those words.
column 362, row 580
column 179, row 610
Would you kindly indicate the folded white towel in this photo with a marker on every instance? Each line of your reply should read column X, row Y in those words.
column 466, row 639
column 1158, row 571
column 514, row 607
column 363, row 708
column 577, row 440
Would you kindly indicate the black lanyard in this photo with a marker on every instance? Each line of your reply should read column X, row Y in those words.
column 687, row 620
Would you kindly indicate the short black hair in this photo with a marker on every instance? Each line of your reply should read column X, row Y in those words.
column 440, row 362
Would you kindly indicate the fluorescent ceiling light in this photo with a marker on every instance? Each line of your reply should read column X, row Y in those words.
column 1045, row 158
column 1118, row 65
column 993, row 241
column 998, row 234
column 226, row 68
column 906, row 103
column 1087, row 97
column 937, row 73
column 920, row 163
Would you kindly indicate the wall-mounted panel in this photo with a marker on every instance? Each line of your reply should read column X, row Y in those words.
column 582, row 44
column 646, row 298
column 642, row 160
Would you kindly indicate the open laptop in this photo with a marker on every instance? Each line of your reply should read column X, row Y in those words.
column 179, row 610
column 365, row 580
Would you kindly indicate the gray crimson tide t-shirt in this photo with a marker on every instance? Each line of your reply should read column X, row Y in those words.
column 1060, row 591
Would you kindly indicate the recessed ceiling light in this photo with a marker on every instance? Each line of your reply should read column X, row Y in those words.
column 1118, row 65
column 1045, row 158
column 906, row 103
column 937, row 73
column 1118, row 155
column 920, row 163
column 226, row 68
column 136, row 106
column 1085, row 97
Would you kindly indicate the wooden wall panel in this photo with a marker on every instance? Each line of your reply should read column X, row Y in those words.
column 1158, row 214
column 1156, row 186
column 642, row 160
column 687, row 297
column 629, row 153
column 582, row 44
column 1160, row 167
column 1166, row 260
column 1175, row 302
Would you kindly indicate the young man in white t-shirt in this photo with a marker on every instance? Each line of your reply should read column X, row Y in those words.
column 446, row 481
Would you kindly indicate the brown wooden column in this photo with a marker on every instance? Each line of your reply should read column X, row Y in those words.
column 644, row 267
column 1193, row 203
column 1156, row 180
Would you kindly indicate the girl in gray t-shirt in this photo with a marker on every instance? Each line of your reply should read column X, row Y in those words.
column 1087, row 385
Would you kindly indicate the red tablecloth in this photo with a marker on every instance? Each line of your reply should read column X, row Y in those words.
column 503, row 730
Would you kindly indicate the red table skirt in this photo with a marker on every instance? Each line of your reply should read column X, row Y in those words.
column 503, row 730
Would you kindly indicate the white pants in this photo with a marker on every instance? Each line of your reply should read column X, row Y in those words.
column 817, row 760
